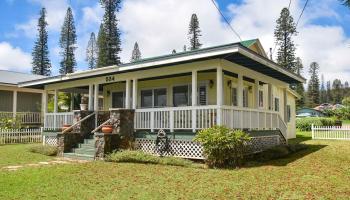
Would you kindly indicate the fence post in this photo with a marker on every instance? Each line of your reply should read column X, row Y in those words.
column 312, row 131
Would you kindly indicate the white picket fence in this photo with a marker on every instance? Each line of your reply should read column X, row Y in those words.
column 330, row 132
column 19, row 136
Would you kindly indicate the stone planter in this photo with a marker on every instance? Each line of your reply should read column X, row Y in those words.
column 107, row 129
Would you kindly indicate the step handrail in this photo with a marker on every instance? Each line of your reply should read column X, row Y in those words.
column 104, row 123
column 78, row 122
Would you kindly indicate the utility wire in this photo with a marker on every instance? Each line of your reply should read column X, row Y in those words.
column 228, row 23
column 302, row 12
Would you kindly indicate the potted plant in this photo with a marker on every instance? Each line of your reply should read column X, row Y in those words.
column 107, row 128
column 65, row 127
column 84, row 103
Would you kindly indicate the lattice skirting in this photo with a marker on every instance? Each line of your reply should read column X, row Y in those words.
column 50, row 140
column 193, row 150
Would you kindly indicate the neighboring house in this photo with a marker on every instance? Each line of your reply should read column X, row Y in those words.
column 236, row 85
column 21, row 103
column 309, row 112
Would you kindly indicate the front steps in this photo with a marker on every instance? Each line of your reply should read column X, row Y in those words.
column 85, row 151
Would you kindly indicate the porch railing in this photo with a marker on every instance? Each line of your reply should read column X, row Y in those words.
column 182, row 118
column 57, row 120
column 24, row 117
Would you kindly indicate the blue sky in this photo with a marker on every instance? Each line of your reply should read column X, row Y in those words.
column 323, row 30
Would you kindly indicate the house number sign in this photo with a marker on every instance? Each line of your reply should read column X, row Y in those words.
column 109, row 79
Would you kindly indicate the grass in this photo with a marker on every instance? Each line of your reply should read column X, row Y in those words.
column 16, row 154
column 320, row 172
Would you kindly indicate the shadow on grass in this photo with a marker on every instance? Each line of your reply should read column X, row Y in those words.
column 285, row 160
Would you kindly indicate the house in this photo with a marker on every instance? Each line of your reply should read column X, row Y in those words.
column 309, row 112
column 236, row 85
column 21, row 103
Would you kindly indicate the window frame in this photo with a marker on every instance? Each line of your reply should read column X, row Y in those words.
column 123, row 98
column 189, row 85
column 261, row 98
column 278, row 108
column 153, row 96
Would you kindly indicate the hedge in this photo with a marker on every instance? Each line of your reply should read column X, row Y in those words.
column 304, row 124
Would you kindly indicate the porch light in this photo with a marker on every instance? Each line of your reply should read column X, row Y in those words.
column 211, row 83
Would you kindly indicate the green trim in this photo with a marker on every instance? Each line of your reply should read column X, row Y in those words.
column 248, row 43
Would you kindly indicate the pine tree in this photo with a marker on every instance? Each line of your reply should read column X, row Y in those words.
column 102, row 48
column 314, row 85
column 136, row 53
column 185, row 48
column 346, row 2
column 329, row 97
column 68, row 42
column 284, row 31
column 194, row 33
column 92, row 52
column 337, row 91
column 346, row 85
column 109, row 54
column 323, row 93
column 174, row 51
column 299, row 87
column 41, row 62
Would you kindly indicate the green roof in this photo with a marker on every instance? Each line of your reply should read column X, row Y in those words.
column 248, row 43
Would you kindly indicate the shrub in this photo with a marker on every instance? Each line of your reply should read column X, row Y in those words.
column 223, row 147
column 10, row 123
column 304, row 124
column 145, row 158
column 44, row 149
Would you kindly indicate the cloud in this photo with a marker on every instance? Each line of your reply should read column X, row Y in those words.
column 13, row 58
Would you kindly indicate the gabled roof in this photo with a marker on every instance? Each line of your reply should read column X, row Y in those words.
column 234, row 52
column 14, row 78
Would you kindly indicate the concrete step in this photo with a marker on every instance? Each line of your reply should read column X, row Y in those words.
column 78, row 156
column 84, row 151
column 86, row 146
column 89, row 141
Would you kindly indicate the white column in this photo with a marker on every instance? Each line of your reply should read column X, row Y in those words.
column 127, row 94
column 240, row 90
column 91, row 89
column 285, row 104
column 219, row 94
column 256, row 93
column 14, row 104
column 134, row 93
column 269, row 97
column 44, row 106
column 71, row 102
column 55, row 108
column 194, row 100
column 96, row 92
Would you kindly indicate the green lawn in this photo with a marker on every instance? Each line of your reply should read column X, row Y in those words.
column 321, row 172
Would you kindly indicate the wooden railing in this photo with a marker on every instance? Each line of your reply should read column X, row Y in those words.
column 78, row 122
column 57, row 120
column 182, row 118
column 24, row 117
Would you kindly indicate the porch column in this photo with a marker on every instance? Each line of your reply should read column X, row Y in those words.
column 71, row 102
column 91, row 106
column 256, row 93
column 134, row 93
column 269, row 97
column 55, row 107
column 96, row 92
column 220, row 92
column 240, row 91
column 14, row 104
column 127, row 94
column 285, row 104
column 44, row 106
column 194, row 100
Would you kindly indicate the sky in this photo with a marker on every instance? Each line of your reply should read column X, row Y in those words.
column 159, row 26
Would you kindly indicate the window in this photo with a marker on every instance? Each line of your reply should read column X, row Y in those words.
column 181, row 96
column 245, row 97
column 261, row 98
column 288, row 113
column 277, row 104
column 234, row 97
column 160, row 97
column 202, row 96
column 118, row 100
column 146, row 98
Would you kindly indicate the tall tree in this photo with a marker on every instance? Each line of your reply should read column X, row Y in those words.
column 40, row 62
column 109, row 54
column 92, row 52
column 346, row 2
column 337, row 91
column 346, row 85
column 314, row 85
column 329, row 97
column 136, row 53
column 284, row 31
column 68, row 42
column 323, row 92
column 194, row 33
column 102, row 58
column 299, row 88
